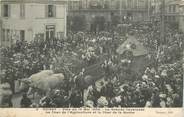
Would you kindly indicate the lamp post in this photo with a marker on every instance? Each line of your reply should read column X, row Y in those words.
column 148, row 9
column 0, row 44
column 66, row 13
column 162, row 35
column 120, row 11
column 0, row 32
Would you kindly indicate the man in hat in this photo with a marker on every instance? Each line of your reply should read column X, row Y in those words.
column 25, row 101
column 76, row 99
column 58, row 99
column 155, row 99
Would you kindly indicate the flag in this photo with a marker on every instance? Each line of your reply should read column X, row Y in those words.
column 133, row 45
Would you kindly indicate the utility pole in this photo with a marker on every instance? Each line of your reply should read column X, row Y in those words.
column 148, row 8
column 66, row 13
column 0, row 32
column 1, row 57
column 162, row 31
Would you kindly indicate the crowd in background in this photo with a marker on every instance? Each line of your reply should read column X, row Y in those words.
column 159, row 85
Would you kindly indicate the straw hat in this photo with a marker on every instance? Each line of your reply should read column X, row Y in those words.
column 89, row 103
column 102, row 102
column 162, row 95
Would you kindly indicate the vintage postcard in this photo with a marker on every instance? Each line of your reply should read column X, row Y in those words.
column 91, row 58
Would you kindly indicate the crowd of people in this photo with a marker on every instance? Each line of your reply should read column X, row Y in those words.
column 160, row 84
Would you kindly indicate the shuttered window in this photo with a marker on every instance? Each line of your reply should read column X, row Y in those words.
column 8, row 35
column 22, row 35
column 3, row 34
column 6, row 10
column 22, row 10
column 50, row 11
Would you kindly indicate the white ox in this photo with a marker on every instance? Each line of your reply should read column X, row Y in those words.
column 43, row 82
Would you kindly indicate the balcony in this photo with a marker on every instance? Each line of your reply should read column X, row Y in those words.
column 107, row 9
column 175, row 14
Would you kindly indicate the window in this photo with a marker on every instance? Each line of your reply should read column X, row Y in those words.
column 51, row 11
column 22, row 10
column 170, row 8
column 118, row 4
column 129, row 3
column 174, row 8
column 106, row 5
column 3, row 35
column 22, row 35
column 173, row 18
column 6, row 10
column 75, row 6
column 80, row 5
column 8, row 35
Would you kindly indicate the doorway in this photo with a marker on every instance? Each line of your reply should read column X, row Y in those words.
column 50, row 32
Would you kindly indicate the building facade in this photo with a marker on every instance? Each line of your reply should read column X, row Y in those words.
column 29, row 19
column 107, row 10
column 181, row 18
column 172, row 10
column 174, row 13
column 155, row 9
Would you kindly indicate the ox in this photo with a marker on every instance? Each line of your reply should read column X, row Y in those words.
column 42, row 82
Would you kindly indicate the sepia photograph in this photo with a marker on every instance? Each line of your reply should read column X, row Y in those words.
column 91, row 53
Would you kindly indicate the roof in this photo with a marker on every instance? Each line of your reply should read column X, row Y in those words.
column 36, row 1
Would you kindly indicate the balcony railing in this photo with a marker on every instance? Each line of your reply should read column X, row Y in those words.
column 108, row 9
